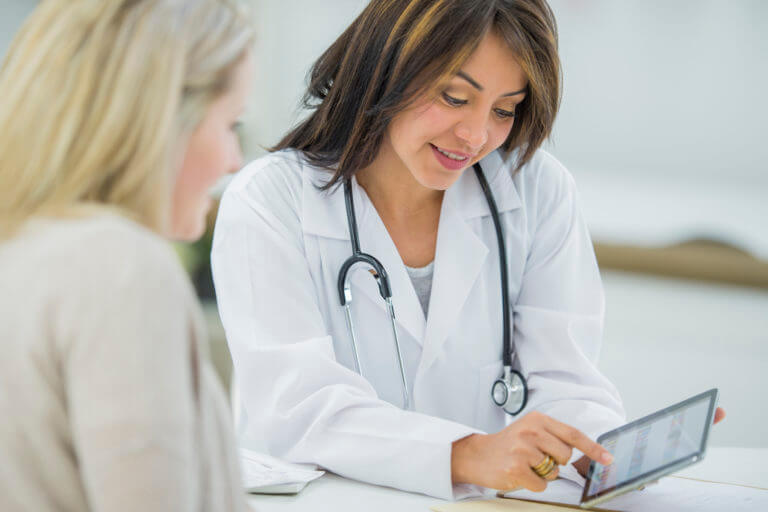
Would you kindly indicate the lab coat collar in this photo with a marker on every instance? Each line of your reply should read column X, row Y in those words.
column 468, row 197
column 324, row 212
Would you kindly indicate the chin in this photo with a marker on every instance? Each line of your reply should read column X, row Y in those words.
column 190, row 231
column 430, row 174
column 440, row 180
column 188, row 236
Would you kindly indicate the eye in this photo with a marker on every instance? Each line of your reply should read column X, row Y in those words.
column 454, row 102
column 504, row 114
column 236, row 127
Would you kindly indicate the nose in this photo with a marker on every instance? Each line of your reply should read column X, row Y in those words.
column 473, row 130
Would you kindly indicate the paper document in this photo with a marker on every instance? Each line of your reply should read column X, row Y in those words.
column 266, row 474
column 671, row 493
column 497, row 505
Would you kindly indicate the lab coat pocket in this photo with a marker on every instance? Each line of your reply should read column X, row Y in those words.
column 488, row 416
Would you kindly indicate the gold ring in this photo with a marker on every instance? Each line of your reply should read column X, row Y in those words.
column 543, row 464
column 547, row 471
column 545, row 467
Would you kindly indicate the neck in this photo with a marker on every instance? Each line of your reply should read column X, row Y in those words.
column 395, row 192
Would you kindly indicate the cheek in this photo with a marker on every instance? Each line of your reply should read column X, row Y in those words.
column 189, row 179
column 498, row 134
column 419, row 125
column 207, row 156
column 189, row 199
column 436, row 120
column 193, row 174
column 196, row 176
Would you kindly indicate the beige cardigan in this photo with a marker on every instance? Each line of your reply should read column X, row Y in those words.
column 108, row 401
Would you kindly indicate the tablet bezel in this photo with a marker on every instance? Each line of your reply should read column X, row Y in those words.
column 649, row 476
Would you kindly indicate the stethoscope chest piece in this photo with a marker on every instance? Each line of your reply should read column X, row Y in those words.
column 510, row 392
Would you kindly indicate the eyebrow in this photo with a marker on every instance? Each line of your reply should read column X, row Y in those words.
column 479, row 87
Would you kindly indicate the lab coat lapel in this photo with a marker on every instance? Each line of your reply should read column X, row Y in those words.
column 461, row 253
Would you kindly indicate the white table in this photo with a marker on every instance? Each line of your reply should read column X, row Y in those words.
column 333, row 493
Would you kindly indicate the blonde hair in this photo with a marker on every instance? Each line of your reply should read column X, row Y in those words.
column 99, row 97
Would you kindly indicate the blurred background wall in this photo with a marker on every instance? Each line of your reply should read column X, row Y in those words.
column 662, row 125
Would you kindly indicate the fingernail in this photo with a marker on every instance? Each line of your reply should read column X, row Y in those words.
column 606, row 458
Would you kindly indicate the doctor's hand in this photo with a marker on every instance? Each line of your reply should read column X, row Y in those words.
column 505, row 460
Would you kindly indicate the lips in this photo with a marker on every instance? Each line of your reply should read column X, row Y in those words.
column 451, row 160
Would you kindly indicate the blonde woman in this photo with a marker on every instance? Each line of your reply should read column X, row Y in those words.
column 117, row 117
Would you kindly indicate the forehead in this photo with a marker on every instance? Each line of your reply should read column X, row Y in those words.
column 495, row 66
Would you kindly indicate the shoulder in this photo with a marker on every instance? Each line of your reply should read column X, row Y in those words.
column 110, row 236
column 82, row 273
column 544, row 184
column 271, row 190
column 544, row 174
column 115, row 253
column 276, row 177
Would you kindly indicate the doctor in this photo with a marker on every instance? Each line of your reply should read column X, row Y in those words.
column 405, row 102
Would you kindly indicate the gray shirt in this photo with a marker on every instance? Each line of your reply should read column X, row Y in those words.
column 422, row 283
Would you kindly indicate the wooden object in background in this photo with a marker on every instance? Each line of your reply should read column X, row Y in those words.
column 700, row 260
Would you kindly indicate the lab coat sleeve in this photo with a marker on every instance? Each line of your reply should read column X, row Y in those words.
column 558, row 316
column 307, row 407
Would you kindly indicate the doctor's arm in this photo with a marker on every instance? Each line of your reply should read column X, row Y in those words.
column 558, row 315
column 559, row 312
column 557, row 330
column 305, row 405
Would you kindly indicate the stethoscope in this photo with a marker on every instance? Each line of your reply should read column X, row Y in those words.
column 510, row 391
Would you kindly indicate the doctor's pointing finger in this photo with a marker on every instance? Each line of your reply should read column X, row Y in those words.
column 509, row 458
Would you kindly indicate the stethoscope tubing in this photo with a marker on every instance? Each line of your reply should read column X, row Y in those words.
column 507, row 348
column 382, row 279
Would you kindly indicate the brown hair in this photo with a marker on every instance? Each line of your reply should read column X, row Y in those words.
column 397, row 49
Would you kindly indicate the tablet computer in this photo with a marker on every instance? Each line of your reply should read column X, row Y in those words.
column 651, row 447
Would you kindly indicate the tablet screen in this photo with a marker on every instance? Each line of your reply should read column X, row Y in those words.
column 651, row 444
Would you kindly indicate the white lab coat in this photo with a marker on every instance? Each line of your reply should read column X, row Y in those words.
column 278, row 246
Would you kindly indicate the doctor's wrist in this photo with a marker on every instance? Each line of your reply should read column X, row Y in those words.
column 463, row 456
